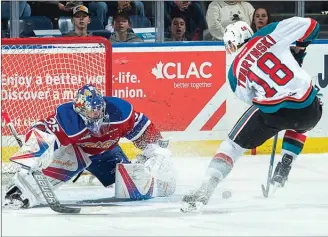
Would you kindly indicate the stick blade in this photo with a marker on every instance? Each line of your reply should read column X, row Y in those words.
column 64, row 209
column 265, row 192
column 75, row 210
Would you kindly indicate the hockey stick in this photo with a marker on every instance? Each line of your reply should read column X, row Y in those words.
column 265, row 190
column 77, row 177
column 40, row 179
column 11, row 127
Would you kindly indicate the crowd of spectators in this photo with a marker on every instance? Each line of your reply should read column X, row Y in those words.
column 183, row 20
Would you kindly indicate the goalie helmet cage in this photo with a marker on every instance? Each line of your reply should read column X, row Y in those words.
column 38, row 74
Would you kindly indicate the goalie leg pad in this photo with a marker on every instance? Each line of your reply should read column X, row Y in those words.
column 67, row 162
column 134, row 182
column 165, row 188
column 38, row 153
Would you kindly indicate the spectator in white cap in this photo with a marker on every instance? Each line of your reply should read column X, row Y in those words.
column 81, row 20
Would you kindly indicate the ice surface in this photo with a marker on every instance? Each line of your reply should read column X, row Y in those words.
column 301, row 208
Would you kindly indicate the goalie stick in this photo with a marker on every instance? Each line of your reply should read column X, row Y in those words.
column 265, row 190
column 41, row 180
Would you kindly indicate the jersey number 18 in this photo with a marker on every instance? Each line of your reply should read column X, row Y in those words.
column 272, row 72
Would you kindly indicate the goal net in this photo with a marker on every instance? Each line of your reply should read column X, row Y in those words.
column 38, row 74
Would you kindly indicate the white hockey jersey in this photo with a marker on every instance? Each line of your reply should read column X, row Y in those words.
column 265, row 73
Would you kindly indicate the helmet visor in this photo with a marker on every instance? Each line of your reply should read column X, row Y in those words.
column 95, row 114
column 94, row 119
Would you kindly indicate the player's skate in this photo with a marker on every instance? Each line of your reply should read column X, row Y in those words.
column 22, row 191
column 282, row 170
column 197, row 199
column 14, row 199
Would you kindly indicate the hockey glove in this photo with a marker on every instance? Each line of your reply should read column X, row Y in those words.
column 150, row 150
column 157, row 161
column 298, row 54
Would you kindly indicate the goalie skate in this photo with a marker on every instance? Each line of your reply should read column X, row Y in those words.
column 14, row 199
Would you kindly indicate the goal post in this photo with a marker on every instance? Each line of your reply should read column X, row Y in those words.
column 38, row 74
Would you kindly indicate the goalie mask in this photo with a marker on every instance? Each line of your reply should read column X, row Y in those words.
column 236, row 35
column 90, row 105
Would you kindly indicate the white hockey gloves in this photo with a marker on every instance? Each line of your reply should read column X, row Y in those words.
column 157, row 160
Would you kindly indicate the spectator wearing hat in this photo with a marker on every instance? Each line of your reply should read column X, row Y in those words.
column 122, row 31
column 177, row 29
column 81, row 20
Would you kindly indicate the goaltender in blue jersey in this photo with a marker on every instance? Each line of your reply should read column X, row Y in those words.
column 83, row 135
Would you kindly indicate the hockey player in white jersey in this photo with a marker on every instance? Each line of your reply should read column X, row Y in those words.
column 266, row 75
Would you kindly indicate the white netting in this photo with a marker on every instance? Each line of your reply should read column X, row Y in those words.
column 39, row 74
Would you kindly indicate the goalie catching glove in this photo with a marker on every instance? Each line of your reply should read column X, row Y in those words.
column 157, row 160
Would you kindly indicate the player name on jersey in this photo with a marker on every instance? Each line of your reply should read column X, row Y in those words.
column 259, row 47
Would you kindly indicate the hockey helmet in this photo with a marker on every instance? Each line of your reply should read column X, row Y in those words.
column 90, row 105
column 235, row 35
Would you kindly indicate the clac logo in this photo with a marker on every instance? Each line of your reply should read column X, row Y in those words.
column 172, row 70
